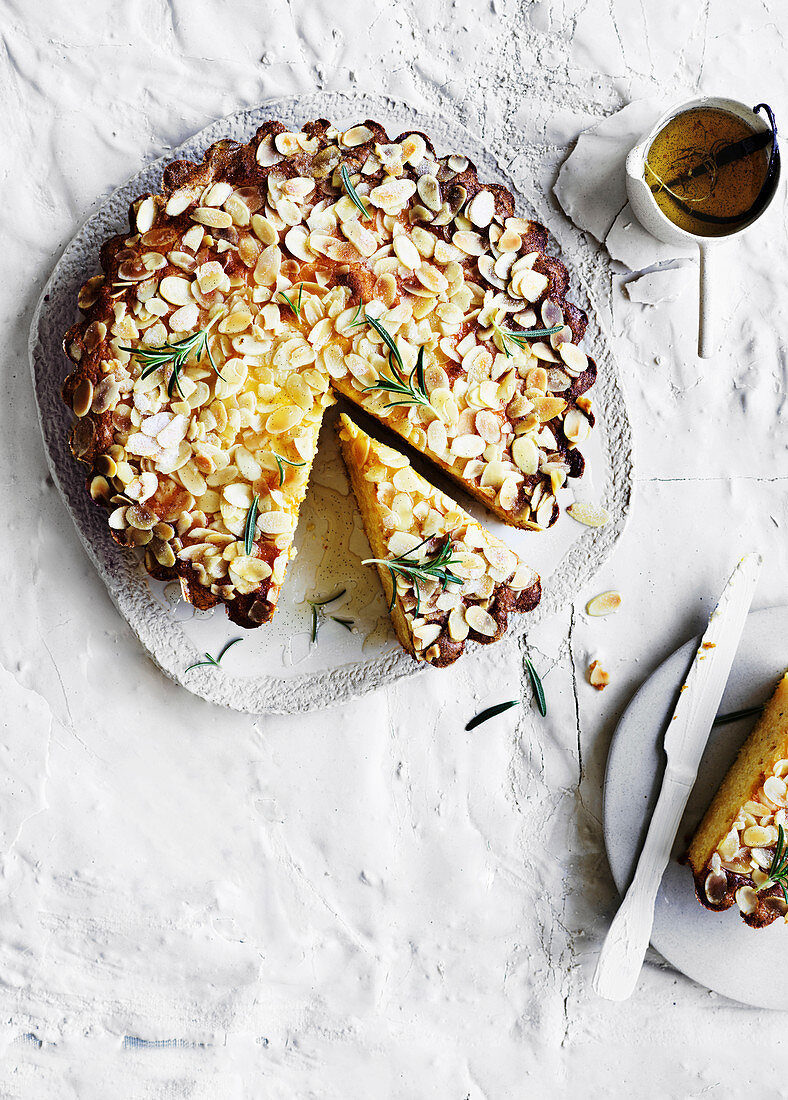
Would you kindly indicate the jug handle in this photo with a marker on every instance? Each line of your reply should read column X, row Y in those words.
column 707, row 302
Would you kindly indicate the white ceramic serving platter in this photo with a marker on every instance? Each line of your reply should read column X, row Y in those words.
column 277, row 668
column 716, row 949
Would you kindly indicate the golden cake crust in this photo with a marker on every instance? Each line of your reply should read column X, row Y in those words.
column 447, row 203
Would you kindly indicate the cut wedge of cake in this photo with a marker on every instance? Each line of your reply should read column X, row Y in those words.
column 446, row 578
column 738, row 854
column 272, row 272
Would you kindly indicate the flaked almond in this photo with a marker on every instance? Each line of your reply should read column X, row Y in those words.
column 576, row 426
column 591, row 515
column 179, row 201
column 775, row 790
column 356, row 135
column 546, row 408
column 467, row 446
column 747, row 900
column 215, row 219
column 481, row 621
column 82, row 398
column 472, row 244
column 424, row 635
column 528, row 284
column 458, row 627
column 729, row 845
column 146, row 214
column 575, row 359
column 525, row 454
column 597, row 676
column 606, row 603
column 176, row 291
column 393, row 194
column 481, row 209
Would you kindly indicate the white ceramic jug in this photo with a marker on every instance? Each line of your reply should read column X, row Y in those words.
column 648, row 213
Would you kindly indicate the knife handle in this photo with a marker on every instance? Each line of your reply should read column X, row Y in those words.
column 621, row 957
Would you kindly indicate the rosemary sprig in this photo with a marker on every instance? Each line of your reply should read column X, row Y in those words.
column 214, row 662
column 357, row 316
column 411, row 390
column 387, row 339
column 778, row 869
column 536, row 684
column 520, row 339
column 177, row 354
column 434, row 568
column 491, row 712
column 315, row 604
column 295, row 306
column 352, row 193
column 735, row 715
column 249, row 526
column 280, row 459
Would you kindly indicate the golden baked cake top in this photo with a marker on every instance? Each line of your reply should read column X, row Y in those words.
column 273, row 272
column 446, row 577
column 738, row 854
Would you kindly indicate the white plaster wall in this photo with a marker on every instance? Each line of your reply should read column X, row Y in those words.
column 367, row 902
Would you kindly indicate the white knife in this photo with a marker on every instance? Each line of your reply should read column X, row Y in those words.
column 621, row 958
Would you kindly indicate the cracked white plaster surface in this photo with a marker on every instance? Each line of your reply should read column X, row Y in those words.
column 367, row 902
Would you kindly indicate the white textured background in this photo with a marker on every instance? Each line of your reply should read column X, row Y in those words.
column 367, row 902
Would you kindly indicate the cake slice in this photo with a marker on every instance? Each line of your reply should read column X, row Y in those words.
column 447, row 579
column 738, row 854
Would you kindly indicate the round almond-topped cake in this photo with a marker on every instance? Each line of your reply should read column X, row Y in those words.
column 275, row 274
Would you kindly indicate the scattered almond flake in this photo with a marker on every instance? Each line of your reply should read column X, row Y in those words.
column 597, row 676
column 591, row 515
column 606, row 603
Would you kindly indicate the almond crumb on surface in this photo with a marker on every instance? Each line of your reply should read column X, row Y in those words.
column 597, row 676
column 606, row 603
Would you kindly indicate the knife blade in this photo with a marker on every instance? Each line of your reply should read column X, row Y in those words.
column 621, row 957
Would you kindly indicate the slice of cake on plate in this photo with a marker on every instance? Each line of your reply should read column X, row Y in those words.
column 738, row 854
column 446, row 578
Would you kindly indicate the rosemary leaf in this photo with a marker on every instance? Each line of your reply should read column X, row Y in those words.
column 249, row 526
column 778, row 869
column 215, row 662
column 329, row 599
column 491, row 712
column 411, row 392
column 735, row 715
column 520, row 339
column 347, row 623
column 295, row 306
column 386, row 337
column 352, row 193
column 176, row 354
column 280, row 459
column 413, row 570
column 315, row 604
column 536, row 684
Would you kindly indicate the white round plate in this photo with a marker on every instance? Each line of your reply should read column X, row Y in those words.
column 716, row 949
column 277, row 669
